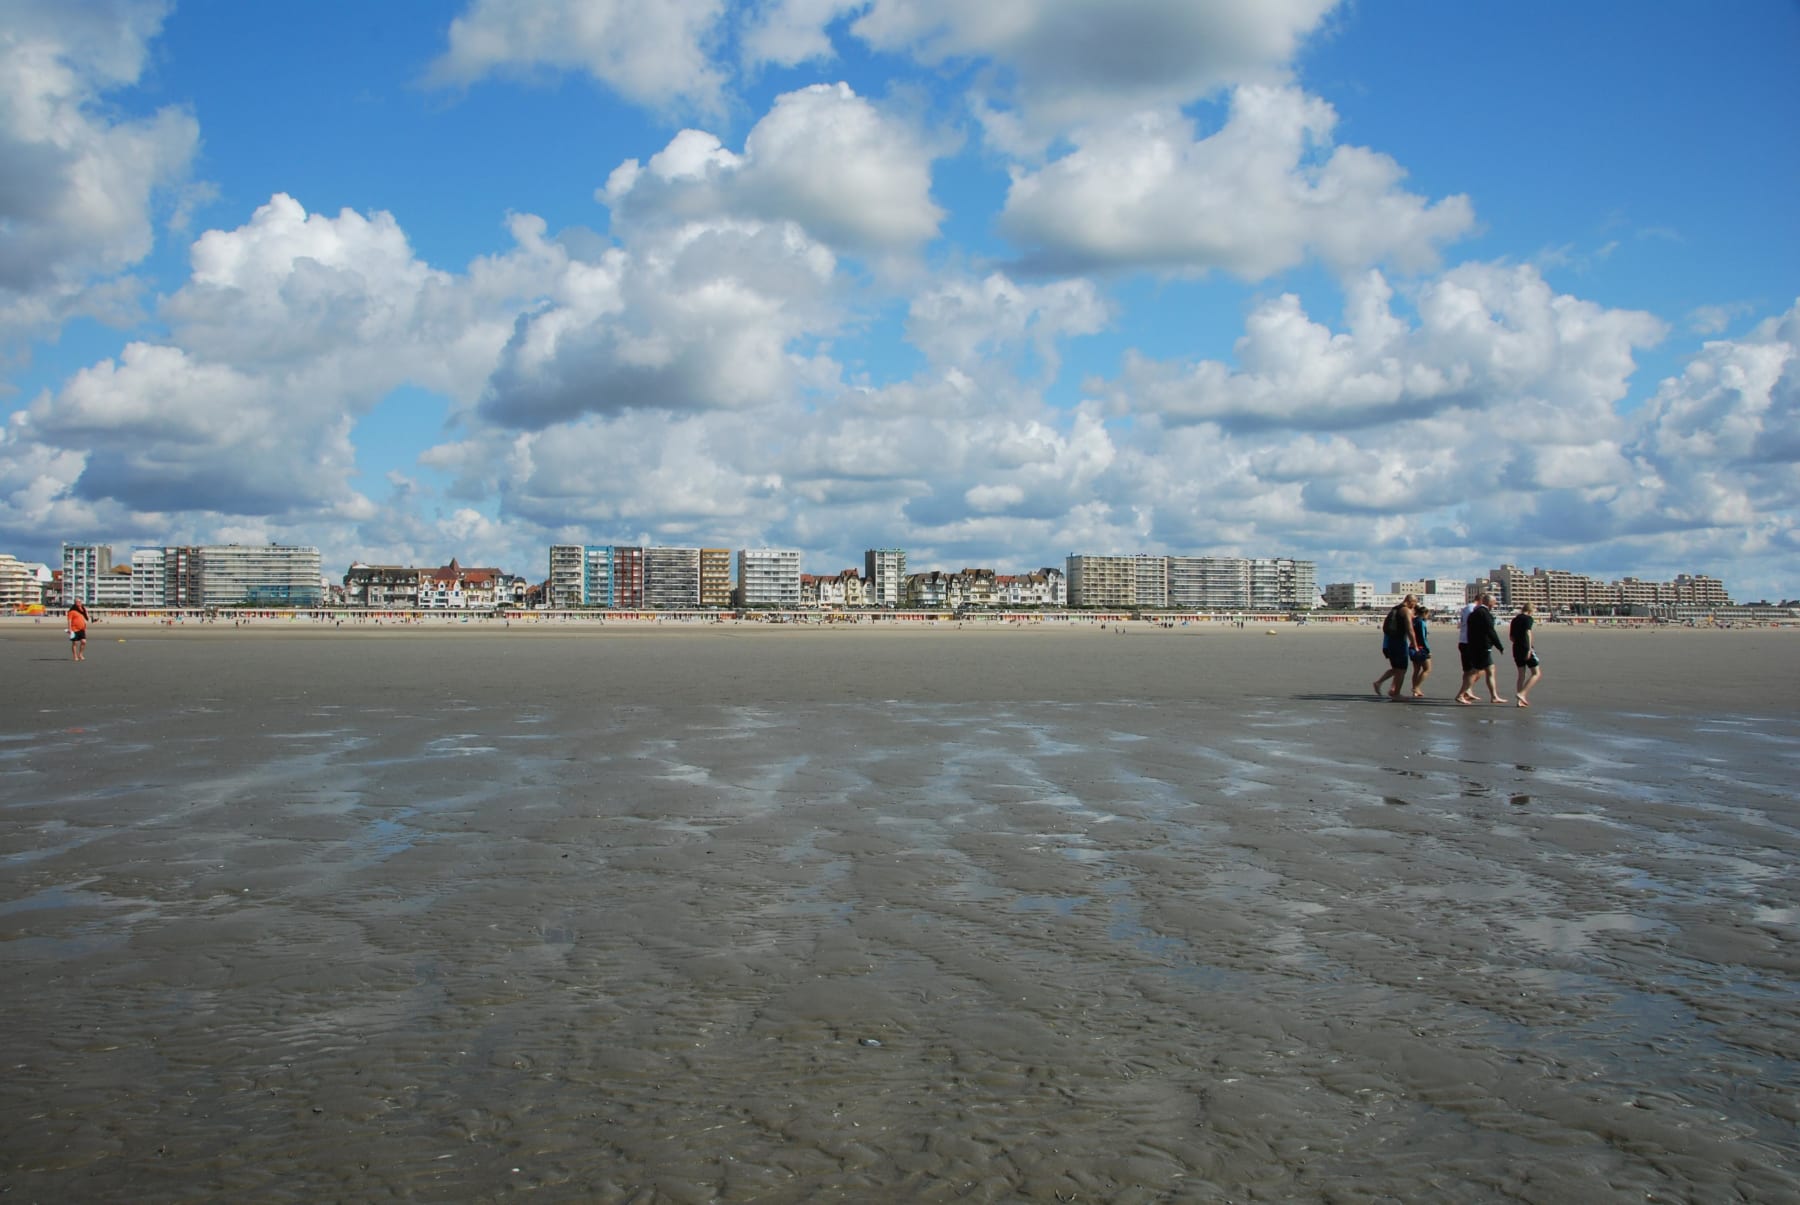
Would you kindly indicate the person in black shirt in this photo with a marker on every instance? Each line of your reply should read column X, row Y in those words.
column 1525, row 654
column 1484, row 638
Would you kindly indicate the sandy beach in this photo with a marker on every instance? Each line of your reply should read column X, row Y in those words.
column 737, row 913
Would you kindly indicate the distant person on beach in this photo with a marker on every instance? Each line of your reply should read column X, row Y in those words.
column 1525, row 654
column 1397, row 645
column 78, row 626
column 1421, row 652
column 1484, row 639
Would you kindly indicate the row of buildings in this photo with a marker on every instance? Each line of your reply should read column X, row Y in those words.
column 190, row 576
column 1549, row 591
column 647, row 578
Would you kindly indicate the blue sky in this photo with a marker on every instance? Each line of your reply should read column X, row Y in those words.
column 1407, row 289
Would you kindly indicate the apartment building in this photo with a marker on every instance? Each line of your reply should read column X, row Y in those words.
column 113, row 591
column 20, row 585
column 1102, row 581
column 1193, row 583
column 147, row 578
column 672, row 578
column 567, row 584
column 884, row 571
column 715, row 577
column 284, row 575
column 769, row 577
column 596, row 576
column 628, row 578
column 1152, row 585
column 82, row 568
column 1350, row 596
column 1209, row 583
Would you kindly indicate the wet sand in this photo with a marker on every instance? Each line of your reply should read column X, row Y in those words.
column 743, row 914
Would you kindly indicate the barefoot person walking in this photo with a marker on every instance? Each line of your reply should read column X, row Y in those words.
column 1397, row 645
column 1421, row 653
column 1484, row 639
column 1525, row 654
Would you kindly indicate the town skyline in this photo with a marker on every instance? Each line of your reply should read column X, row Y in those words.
column 1312, row 277
column 1709, row 585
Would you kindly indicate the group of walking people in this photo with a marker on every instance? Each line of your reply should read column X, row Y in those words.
column 1405, row 644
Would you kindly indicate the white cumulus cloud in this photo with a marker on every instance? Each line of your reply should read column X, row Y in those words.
column 656, row 54
column 79, row 177
column 1254, row 198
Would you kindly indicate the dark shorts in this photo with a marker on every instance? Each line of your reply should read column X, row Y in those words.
column 1480, row 658
column 1396, row 655
column 1466, row 657
column 1521, row 655
column 77, row 637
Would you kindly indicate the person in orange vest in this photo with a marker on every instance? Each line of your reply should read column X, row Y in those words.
column 78, row 626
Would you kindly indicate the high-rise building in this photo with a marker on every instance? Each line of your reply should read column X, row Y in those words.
column 596, row 575
column 627, row 578
column 83, row 567
column 566, row 585
column 146, row 579
column 769, row 577
column 260, row 575
column 181, row 586
column 672, row 578
column 1102, row 581
column 715, row 577
column 885, row 572
column 1152, row 585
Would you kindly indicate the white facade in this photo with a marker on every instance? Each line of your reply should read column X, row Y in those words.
column 18, row 584
column 146, row 579
column 769, row 577
column 113, row 591
column 83, row 567
column 260, row 575
column 885, row 571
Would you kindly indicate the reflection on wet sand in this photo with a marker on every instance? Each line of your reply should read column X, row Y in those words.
column 907, row 950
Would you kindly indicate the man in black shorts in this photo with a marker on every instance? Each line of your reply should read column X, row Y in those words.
column 1525, row 654
column 1478, row 653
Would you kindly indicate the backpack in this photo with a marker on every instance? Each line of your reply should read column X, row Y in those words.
column 1394, row 624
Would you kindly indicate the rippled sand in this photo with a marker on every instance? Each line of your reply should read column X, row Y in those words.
column 768, row 916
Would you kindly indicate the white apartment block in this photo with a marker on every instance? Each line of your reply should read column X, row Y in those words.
column 885, row 572
column 769, row 577
column 20, row 585
column 147, row 578
column 113, row 591
column 260, row 575
column 83, row 567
